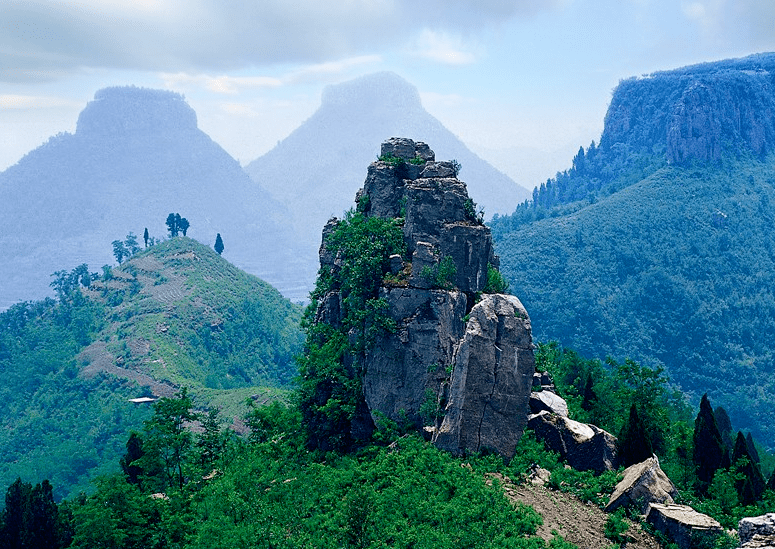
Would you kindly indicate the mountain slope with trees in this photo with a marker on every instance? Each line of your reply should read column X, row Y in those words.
column 174, row 315
column 658, row 243
column 136, row 155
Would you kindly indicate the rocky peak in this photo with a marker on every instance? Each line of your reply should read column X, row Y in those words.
column 459, row 364
column 118, row 111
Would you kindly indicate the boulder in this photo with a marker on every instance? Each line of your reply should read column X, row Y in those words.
column 643, row 483
column 757, row 532
column 585, row 447
column 541, row 401
column 682, row 524
column 490, row 384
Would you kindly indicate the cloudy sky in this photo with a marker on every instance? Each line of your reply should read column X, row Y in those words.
column 522, row 82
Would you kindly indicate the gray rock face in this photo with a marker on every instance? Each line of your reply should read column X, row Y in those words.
column 466, row 381
column 585, row 447
column 493, row 368
column 757, row 532
column 643, row 483
column 681, row 523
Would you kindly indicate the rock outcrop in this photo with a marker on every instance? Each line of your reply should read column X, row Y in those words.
column 548, row 401
column 682, row 524
column 643, row 483
column 585, row 447
column 757, row 532
column 460, row 363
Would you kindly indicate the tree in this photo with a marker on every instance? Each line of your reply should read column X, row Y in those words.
column 211, row 441
column 218, row 244
column 145, row 237
column 134, row 452
column 130, row 243
column 708, row 448
column 167, row 441
column 30, row 518
column 172, row 224
column 183, row 225
column 589, row 394
column 119, row 251
column 724, row 426
column 634, row 442
column 750, row 484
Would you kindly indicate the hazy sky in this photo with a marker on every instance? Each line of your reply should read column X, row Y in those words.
column 522, row 82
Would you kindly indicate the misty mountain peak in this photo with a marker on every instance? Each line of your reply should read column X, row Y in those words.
column 385, row 91
column 129, row 109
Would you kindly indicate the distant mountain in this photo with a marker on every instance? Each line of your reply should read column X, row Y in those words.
column 658, row 243
column 136, row 156
column 317, row 169
column 175, row 315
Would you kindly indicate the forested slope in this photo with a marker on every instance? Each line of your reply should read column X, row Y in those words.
column 658, row 243
column 176, row 315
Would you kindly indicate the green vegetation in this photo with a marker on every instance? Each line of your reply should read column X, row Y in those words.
column 441, row 275
column 176, row 224
column 271, row 492
column 690, row 449
column 674, row 270
column 175, row 313
column 331, row 396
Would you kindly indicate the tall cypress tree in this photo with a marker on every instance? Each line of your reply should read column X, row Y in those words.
column 589, row 394
column 724, row 427
column 634, row 442
column 708, row 448
column 751, row 486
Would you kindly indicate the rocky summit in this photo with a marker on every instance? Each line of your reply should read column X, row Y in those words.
column 459, row 363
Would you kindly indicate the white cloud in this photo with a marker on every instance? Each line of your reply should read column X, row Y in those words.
column 36, row 102
column 39, row 39
column 442, row 47
column 693, row 10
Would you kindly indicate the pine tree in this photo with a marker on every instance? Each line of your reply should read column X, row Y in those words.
column 134, row 451
column 752, row 449
column 218, row 244
column 589, row 395
column 145, row 237
column 708, row 448
column 751, row 486
column 183, row 225
column 724, row 427
column 634, row 443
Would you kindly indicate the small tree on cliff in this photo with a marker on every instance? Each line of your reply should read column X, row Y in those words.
column 218, row 244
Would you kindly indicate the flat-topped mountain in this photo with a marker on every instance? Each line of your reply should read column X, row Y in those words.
column 136, row 156
column 658, row 243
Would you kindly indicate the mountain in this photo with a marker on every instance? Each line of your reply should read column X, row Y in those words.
column 136, row 156
column 317, row 169
column 175, row 315
column 657, row 244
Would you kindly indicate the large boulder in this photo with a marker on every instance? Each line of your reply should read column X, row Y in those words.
column 757, row 532
column 682, row 524
column 585, row 447
column 488, row 392
column 548, row 401
column 643, row 483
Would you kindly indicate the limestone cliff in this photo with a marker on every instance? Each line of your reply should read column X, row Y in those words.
column 458, row 363
column 696, row 112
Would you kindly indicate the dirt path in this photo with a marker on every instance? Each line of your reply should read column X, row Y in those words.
column 582, row 524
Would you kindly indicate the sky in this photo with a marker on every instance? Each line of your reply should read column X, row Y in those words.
column 523, row 83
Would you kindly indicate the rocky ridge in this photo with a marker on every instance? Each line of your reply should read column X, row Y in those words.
column 459, row 364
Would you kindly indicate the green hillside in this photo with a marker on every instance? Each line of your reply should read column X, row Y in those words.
column 175, row 315
column 677, row 269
